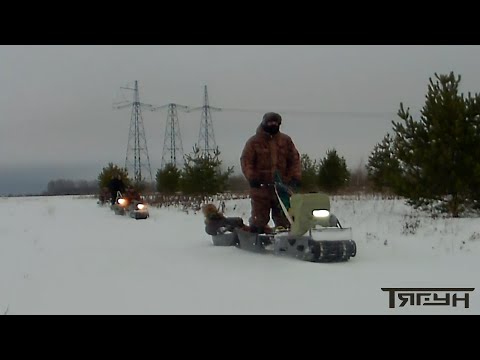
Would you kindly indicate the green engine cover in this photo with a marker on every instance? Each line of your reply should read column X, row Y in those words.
column 301, row 211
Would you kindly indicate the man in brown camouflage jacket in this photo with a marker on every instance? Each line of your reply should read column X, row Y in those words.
column 265, row 153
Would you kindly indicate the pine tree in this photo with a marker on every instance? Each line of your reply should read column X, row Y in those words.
column 472, row 116
column 309, row 174
column 168, row 179
column 410, row 145
column 383, row 166
column 111, row 171
column 333, row 172
column 203, row 174
column 438, row 156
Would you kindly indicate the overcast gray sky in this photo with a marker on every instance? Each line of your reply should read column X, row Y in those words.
column 56, row 113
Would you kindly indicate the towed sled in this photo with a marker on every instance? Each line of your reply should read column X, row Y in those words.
column 315, row 233
column 136, row 209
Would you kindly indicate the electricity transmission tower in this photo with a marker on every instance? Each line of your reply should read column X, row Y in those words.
column 206, row 136
column 137, row 151
column 172, row 144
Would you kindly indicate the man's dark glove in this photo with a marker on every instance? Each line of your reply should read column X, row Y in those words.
column 254, row 183
column 294, row 184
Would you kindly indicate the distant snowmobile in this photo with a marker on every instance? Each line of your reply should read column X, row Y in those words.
column 136, row 209
column 315, row 234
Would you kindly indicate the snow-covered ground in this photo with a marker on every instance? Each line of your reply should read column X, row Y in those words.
column 67, row 255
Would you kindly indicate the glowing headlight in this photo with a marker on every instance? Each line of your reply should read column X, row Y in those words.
column 321, row 213
column 140, row 206
column 122, row 201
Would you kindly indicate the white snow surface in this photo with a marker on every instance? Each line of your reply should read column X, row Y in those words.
column 68, row 255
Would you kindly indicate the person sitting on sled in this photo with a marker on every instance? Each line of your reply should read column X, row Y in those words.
column 216, row 223
column 270, row 157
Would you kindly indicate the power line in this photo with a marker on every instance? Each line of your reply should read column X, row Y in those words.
column 313, row 112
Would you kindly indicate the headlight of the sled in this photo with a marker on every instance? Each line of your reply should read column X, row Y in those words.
column 321, row 213
column 122, row 201
column 140, row 206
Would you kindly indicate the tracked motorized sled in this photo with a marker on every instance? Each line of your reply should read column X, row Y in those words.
column 136, row 209
column 315, row 234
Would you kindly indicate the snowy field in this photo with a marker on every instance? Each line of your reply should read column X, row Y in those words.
column 67, row 255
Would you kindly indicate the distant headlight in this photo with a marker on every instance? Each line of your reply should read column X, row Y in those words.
column 321, row 213
column 122, row 201
column 140, row 206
